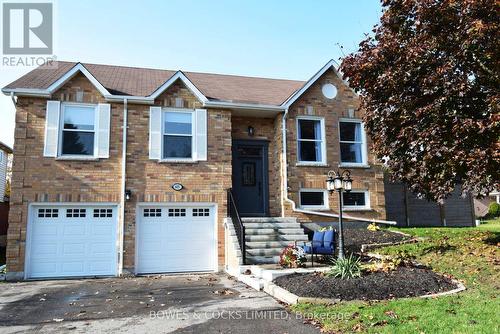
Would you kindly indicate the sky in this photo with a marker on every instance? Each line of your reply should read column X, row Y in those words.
column 274, row 38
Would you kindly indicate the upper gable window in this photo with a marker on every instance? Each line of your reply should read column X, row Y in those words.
column 177, row 135
column 78, row 130
column 352, row 142
column 311, row 140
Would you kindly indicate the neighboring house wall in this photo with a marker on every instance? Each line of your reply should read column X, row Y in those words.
column 4, row 158
column 407, row 209
column 4, row 222
column 369, row 178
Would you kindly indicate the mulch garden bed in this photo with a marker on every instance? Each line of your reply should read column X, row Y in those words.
column 399, row 283
column 355, row 237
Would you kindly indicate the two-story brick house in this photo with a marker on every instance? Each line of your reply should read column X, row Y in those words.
column 121, row 169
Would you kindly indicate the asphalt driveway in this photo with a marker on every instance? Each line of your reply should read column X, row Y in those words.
column 164, row 304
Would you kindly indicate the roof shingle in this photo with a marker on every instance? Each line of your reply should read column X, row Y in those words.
column 136, row 81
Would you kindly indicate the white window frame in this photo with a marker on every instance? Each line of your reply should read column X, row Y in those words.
column 325, row 206
column 193, row 132
column 364, row 151
column 365, row 207
column 61, row 129
column 323, row 141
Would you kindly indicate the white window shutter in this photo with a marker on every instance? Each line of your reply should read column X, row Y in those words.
column 51, row 128
column 102, row 129
column 201, row 134
column 155, row 133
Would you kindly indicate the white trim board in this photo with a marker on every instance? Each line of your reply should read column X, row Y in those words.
column 330, row 65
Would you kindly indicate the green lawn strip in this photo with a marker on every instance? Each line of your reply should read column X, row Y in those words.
column 468, row 254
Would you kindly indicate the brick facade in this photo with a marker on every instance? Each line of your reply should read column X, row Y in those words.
column 313, row 103
column 39, row 179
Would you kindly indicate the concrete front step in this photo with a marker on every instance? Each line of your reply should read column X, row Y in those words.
column 269, row 220
column 268, row 244
column 264, row 251
column 253, row 231
column 271, row 225
column 262, row 259
column 276, row 237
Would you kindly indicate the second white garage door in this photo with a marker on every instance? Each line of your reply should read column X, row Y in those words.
column 176, row 239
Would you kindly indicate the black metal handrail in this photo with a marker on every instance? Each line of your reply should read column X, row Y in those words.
column 232, row 212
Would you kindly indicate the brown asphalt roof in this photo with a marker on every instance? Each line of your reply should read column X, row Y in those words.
column 136, row 81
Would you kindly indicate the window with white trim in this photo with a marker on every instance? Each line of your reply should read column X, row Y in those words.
column 177, row 135
column 77, row 130
column 352, row 142
column 313, row 199
column 311, row 147
column 356, row 200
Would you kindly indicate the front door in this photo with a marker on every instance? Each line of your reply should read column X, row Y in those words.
column 250, row 177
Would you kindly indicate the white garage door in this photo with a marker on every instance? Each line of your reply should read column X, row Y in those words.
column 176, row 239
column 66, row 241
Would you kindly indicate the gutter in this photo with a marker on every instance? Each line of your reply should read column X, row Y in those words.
column 309, row 212
column 123, row 185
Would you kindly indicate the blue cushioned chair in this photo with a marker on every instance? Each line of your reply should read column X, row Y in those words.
column 323, row 243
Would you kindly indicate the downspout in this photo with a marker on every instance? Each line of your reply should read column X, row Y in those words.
column 13, row 99
column 122, row 198
column 309, row 212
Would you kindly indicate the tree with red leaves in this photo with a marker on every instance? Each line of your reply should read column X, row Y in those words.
column 428, row 79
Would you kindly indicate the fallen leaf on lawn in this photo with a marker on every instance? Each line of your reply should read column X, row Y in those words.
column 391, row 314
column 357, row 328
column 379, row 323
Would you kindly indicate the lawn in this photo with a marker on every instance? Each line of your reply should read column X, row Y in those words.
column 471, row 255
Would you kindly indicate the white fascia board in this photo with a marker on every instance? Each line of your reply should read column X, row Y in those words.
column 26, row 92
column 246, row 106
column 185, row 80
column 71, row 73
column 129, row 98
column 330, row 65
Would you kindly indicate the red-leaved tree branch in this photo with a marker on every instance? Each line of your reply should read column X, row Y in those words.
column 428, row 78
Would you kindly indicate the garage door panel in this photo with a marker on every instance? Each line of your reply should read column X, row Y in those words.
column 45, row 229
column 73, row 229
column 70, row 241
column 40, row 268
column 42, row 250
column 73, row 268
column 173, row 240
column 73, row 249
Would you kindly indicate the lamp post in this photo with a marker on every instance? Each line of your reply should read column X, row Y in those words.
column 339, row 181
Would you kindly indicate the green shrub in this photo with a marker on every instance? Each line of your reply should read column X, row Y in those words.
column 348, row 267
column 494, row 209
